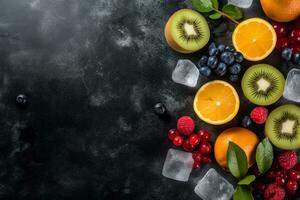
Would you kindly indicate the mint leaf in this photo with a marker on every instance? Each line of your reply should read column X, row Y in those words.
column 242, row 193
column 232, row 11
column 215, row 4
column 247, row 180
column 237, row 161
column 215, row 16
column 264, row 155
column 203, row 5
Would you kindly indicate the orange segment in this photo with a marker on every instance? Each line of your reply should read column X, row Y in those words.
column 216, row 102
column 255, row 38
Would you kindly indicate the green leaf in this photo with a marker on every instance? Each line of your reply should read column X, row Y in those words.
column 247, row 180
column 215, row 4
column 203, row 5
column 215, row 16
column 237, row 161
column 232, row 11
column 242, row 193
column 264, row 155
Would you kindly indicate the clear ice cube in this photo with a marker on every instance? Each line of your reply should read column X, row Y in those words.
column 292, row 86
column 185, row 73
column 241, row 3
column 178, row 165
column 214, row 187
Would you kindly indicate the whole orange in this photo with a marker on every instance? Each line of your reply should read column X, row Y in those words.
column 244, row 138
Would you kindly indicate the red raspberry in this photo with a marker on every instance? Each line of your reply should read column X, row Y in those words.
column 187, row 146
column 194, row 139
column 259, row 115
column 274, row 192
column 287, row 160
column 197, row 156
column 185, row 125
column 172, row 134
column 177, row 141
column 280, row 181
column 204, row 135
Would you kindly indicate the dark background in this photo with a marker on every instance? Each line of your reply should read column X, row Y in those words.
column 92, row 71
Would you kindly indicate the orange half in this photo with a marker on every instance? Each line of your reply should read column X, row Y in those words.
column 255, row 38
column 216, row 102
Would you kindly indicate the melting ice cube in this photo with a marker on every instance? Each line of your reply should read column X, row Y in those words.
column 292, row 86
column 185, row 73
column 241, row 3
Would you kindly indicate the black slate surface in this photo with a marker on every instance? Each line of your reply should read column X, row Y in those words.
column 92, row 71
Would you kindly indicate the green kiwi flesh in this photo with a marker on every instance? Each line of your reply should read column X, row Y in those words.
column 190, row 29
column 283, row 127
column 263, row 84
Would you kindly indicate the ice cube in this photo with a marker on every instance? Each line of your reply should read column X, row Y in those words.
column 178, row 165
column 185, row 73
column 241, row 3
column 214, row 187
column 292, row 85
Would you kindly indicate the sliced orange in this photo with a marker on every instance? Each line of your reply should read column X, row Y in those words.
column 255, row 38
column 216, row 102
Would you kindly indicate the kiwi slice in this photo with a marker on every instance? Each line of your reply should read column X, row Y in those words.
column 263, row 84
column 283, row 127
column 187, row 31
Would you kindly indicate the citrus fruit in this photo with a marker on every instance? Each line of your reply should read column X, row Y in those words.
column 216, row 102
column 244, row 138
column 281, row 10
column 255, row 38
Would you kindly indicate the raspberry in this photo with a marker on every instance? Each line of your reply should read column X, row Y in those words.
column 185, row 125
column 259, row 115
column 287, row 159
column 274, row 192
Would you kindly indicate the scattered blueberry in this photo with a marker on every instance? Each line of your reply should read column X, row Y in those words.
column 234, row 77
column 213, row 52
column 297, row 59
column 227, row 57
column 211, row 46
column 159, row 109
column 235, row 68
column 21, row 99
column 221, row 47
column 238, row 57
column 205, row 71
column 229, row 48
column 202, row 61
column 286, row 54
column 212, row 62
column 246, row 121
column 221, row 69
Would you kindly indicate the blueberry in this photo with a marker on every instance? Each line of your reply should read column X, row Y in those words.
column 212, row 62
column 221, row 69
column 159, row 109
column 246, row 121
column 227, row 57
column 202, row 61
column 21, row 100
column 234, row 77
column 238, row 57
column 205, row 71
column 213, row 52
column 235, row 68
column 211, row 46
column 297, row 59
column 286, row 54
column 221, row 47
column 229, row 48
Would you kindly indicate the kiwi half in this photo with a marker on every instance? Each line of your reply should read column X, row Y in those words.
column 283, row 127
column 263, row 84
column 187, row 31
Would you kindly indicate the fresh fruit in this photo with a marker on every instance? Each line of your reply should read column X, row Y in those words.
column 296, row 59
column 221, row 47
column 234, row 77
column 196, row 165
column 280, row 181
column 212, row 62
column 291, row 186
column 204, row 135
column 205, row 71
column 221, row 69
column 185, row 125
column 238, row 57
column 282, row 127
column 255, row 38
column 216, row 102
column 227, row 57
column 287, row 54
column 160, row 109
column 280, row 29
column 194, row 139
column 259, row 115
column 295, row 175
column 263, row 84
column 177, row 141
column 274, row 192
column 246, row 122
column 202, row 61
column 282, row 43
column 187, row 31
column 205, row 148
column 206, row 160
column 187, row 146
column 235, row 68
column 172, row 134
column 197, row 156
column 287, row 160
column 244, row 138
column 281, row 10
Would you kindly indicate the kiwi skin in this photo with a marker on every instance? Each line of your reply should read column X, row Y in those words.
column 273, row 127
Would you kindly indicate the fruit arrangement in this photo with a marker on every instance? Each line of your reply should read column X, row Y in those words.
column 264, row 166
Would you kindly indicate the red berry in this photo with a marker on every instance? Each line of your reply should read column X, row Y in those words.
column 194, row 139
column 177, row 141
column 205, row 148
column 172, row 134
column 187, row 146
column 206, row 160
column 291, row 186
column 280, row 29
column 259, row 115
column 295, row 48
column 287, row 160
column 204, row 135
column 196, row 165
column 282, row 43
column 294, row 36
column 185, row 125
column 295, row 175
column 197, row 156
column 280, row 181
column 274, row 192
